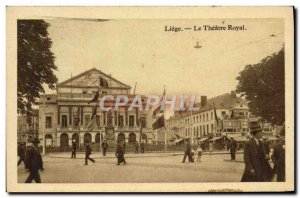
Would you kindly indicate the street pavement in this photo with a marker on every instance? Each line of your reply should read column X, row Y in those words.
column 148, row 167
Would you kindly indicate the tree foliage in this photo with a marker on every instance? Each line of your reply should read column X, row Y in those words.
column 263, row 86
column 35, row 63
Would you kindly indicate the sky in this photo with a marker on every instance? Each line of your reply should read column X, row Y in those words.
column 142, row 51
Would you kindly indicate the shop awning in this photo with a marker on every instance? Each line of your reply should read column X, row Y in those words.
column 241, row 139
column 178, row 140
column 203, row 139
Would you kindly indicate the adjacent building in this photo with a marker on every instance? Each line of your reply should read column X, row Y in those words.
column 28, row 127
column 231, row 117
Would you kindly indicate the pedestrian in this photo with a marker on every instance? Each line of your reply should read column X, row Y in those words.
column 21, row 153
column 136, row 147
column 193, row 154
column 88, row 152
column 199, row 153
column 266, row 146
column 257, row 167
column 142, row 147
column 232, row 147
column 120, row 153
column 74, row 147
column 203, row 146
column 104, row 146
column 211, row 148
column 187, row 152
column 34, row 162
column 278, row 158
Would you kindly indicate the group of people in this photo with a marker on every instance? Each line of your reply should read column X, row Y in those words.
column 191, row 153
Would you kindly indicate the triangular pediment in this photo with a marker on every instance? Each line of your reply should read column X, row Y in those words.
column 91, row 78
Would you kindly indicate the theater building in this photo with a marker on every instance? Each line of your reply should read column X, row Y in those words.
column 64, row 116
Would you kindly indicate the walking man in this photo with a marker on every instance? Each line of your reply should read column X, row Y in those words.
column 34, row 162
column 104, row 146
column 257, row 168
column 120, row 153
column 88, row 152
column 74, row 147
column 232, row 147
column 21, row 153
column 188, row 149
column 136, row 147
column 142, row 147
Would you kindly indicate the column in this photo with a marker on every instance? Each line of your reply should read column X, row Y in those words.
column 93, row 136
column 58, row 139
column 70, row 139
column 81, row 138
column 126, row 137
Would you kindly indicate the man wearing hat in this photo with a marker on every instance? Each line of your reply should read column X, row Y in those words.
column 120, row 152
column 34, row 162
column 257, row 168
column 74, row 146
column 188, row 150
column 88, row 152
column 104, row 146
column 278, row 158
column 232, row 147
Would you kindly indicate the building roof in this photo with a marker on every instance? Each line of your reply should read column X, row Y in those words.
column 224, row 101
column 61, row 84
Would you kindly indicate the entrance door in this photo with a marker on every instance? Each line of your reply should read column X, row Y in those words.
column 121, row 137
column 64, row 142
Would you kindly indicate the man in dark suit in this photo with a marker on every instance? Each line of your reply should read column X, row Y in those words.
column 74, row 147
column 88, row 152
column 34, row 162
column 232, row 147
column 21, row 153
column 104, row 146
column 257, row 168
column 188, row 150
column 136, row 147
column 278, row 158
column 142, row 147
column 120, row 153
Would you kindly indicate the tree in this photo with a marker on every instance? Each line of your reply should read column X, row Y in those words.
column 35, row 63
column 263, row 86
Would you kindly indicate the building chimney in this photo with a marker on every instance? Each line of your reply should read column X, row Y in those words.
column 233, row 95
column 203, row 101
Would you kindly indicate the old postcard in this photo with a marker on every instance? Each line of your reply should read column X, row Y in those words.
column 150, row 99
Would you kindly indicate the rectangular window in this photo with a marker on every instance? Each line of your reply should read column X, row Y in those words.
column 121, row 121
column 131, row 120
column 64, row 121
column 207, row 129
column 200, row 118
column 98, row 120
column 48, row 122
column 206, row 116
column 200, row 131
column 86, row 120
column 211, row 115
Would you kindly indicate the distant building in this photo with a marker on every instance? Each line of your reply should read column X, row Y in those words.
column 28, row 127
column 66, row 114
column 232, row 113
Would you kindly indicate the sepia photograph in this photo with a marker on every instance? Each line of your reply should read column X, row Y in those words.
column 168, row 99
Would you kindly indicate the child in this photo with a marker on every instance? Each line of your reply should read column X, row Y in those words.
column 193, row 154
column 199, row 153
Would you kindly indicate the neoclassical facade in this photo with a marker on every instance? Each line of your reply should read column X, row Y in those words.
column 65, row 116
